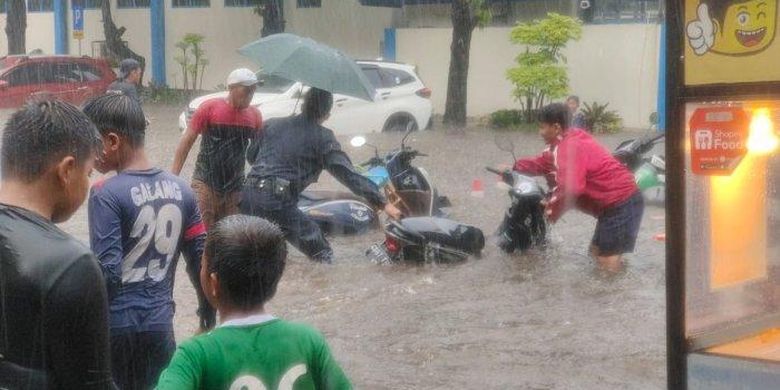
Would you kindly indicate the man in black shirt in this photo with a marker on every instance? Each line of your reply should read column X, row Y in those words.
column 129, row 77
column 53, row 309
column 290, row 155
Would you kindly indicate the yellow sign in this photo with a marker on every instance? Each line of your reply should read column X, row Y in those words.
column 731, row 41
column 78, row 34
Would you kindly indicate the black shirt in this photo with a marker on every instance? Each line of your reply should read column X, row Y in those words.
column 297, row 150
column 53, row 308
column 225, row 134
column 126, row 88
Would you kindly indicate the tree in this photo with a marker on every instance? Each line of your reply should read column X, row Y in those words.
column 272, row 12
column 541, row 71
column 466, row 16
column 16, row 26
column 116, row 47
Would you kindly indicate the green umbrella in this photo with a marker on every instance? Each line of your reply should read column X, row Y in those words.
column 311, row 63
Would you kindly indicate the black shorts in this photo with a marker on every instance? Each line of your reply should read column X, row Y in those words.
column 618, row 227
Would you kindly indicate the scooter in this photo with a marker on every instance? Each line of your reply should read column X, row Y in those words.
column 524, row 225
column 427, row 240
column 407, row 186
column 649, row 173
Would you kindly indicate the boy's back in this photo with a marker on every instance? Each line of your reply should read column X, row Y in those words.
column 256, row 352
column 139, row 223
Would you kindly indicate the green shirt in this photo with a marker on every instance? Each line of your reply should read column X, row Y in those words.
column 267, row 354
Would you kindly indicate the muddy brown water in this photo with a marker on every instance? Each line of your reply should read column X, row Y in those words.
column 541, row 320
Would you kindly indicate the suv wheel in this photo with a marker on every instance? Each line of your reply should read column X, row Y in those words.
column 400, row 123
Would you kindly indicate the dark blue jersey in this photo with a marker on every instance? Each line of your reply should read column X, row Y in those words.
column 139, row 223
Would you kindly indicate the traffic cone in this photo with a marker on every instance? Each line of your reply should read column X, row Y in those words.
column 477, row 189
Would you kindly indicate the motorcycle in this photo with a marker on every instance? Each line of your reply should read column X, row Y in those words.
column 427, row 240
column 406, row 186
column 524, row 225
column 649, row 173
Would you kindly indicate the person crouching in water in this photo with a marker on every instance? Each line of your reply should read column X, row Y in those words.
column 290, row 156
column 586, row 176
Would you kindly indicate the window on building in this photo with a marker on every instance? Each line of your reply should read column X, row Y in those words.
column 40, row 5
column 191, row 3
column 621, row 11
column 242, row 3
column 133, row 4
column 88, row 4
column 309, row 3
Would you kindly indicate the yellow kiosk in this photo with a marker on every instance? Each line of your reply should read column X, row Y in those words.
column 723, row 194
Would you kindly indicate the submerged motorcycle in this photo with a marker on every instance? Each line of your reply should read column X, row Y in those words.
column 407, row 186
column 524, row 225
column 427, row 240
column 649, row 173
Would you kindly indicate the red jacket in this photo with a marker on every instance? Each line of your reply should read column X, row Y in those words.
column 582, row 173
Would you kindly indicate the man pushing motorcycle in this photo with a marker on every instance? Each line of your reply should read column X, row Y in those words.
column 583, row 174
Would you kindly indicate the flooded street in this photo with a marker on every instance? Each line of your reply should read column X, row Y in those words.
column 542, row 320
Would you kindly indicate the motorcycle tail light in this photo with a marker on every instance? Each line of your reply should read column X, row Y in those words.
column 392, row 244
column 424, row 93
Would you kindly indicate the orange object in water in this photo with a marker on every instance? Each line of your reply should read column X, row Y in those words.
column 477, row 189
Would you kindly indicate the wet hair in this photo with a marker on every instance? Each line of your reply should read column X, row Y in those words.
column 718, row 9
column 555, row 113
column 120, row 114
column 317, row 104
column 248, row 254
column 42, row 133
column 575, row 98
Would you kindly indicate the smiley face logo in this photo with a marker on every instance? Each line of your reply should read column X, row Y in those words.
column 733, row 27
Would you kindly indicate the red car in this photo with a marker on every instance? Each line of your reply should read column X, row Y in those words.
column 68, row 78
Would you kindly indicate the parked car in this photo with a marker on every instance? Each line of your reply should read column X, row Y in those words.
column 69, row 78
column 402, row 101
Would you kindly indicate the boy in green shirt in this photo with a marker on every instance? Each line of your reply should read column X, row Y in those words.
column 250, row 349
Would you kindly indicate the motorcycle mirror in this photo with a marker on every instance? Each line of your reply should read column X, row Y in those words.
column 403, row 140
column 357, row 141
column 505, row 144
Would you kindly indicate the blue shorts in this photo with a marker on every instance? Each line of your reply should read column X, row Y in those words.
column 618, row 227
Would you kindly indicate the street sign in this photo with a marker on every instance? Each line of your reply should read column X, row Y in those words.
column 78, row 22
column 718, row 139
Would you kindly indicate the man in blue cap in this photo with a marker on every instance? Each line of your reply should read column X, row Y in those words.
column 129, row 77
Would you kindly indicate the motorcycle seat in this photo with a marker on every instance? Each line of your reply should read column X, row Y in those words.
column 326, row 195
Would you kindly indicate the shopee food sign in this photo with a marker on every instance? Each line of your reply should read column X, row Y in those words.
column 718, row 139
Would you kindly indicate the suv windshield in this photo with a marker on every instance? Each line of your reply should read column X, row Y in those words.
column 273, row 84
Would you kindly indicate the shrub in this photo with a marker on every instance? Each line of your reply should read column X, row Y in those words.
column 600, row 120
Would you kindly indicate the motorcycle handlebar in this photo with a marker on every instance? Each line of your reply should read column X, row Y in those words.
column 494, row 170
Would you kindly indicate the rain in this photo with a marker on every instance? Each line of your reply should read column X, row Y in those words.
column 326, row 117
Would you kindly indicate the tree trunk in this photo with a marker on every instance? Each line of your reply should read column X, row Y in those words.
column 463, row 24
column 117, row 49
column 272, row 12
column 15, row 26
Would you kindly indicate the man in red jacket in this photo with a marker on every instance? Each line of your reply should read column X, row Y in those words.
column 583, row 174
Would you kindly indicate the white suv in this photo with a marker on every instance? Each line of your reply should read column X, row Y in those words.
column 402, row 101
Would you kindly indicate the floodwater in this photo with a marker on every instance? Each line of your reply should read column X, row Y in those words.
column 542, row 320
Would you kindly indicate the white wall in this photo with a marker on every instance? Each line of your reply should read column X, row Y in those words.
column 39, row 34
column 344, row 24
column 615, row 64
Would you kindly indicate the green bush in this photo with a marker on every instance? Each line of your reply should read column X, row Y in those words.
column 600, row 120
column 166, row 95
column 503, row 119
